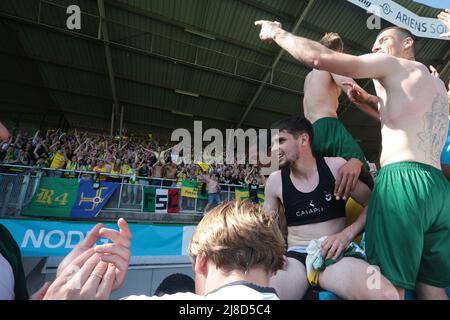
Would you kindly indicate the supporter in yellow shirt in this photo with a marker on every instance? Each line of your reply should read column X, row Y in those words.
column 58, row 161
column 116, row 169
column 126, row 168
column 71, row 165
column 180, row 177
column 101, row 168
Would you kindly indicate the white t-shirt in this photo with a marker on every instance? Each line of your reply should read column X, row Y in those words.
column 239, row 290
column 6, row 280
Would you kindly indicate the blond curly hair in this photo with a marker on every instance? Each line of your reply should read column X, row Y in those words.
column 239, row 235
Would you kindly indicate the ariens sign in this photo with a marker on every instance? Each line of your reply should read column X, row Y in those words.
column 402, row 17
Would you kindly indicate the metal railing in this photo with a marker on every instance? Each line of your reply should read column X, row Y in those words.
column 19, row 183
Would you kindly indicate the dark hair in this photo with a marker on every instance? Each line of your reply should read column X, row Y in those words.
column 404, row 32
column 295, row 125
column 333, row 41
column 177, row 282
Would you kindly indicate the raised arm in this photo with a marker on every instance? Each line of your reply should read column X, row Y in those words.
column 246, row 179
column 358, row 96
column 44, row 145
column 52, row 147
column 121, row 148
column 148, row 150
column 35, row 135
column 16, row 142
column 79, row 148
column 317, row 56
column 205, row 178
column 164, row 151
column 36, row 150
column 444, row 17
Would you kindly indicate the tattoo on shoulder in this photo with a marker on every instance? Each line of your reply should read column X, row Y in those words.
column 435, row 129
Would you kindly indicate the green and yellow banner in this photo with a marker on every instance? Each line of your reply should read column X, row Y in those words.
column 55, row 197
column 192, row 189
column 243, row 194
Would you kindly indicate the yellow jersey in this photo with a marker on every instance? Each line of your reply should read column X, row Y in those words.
column 101, row 170
column 58, row 161
column 125, row 169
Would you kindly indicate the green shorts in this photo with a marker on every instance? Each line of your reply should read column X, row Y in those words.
column 408, row 225
column 331, row 139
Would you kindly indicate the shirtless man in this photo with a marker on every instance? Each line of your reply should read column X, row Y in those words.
column 212, row 181
column 445, row 156
column 409, row 213
column 444, row 17
column 321, row 101
column 304, row 187
column 158, row 170
column 170, row 172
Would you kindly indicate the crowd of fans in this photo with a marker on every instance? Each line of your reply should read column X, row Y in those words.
column 138, row 159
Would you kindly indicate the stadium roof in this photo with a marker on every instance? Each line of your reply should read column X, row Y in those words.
column 170, row 62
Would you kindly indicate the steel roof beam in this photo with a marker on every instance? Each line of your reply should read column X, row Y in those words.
column 112, row 82
column 147, row 53
column 264, row 7
column 23, row 108
column 253, row 3
column 182, row 25
column 143, row 123
column 126, row 78
column 108, row 99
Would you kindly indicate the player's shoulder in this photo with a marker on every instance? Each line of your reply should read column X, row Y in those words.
column 274, row 179
column 275, row 175
column 319, row 73
column 335, row 163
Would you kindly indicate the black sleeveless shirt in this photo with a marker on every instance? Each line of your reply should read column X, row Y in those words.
column 317, row 206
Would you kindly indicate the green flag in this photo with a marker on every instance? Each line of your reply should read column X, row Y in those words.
column 241, row 194
column 55, row 197
column 261, row 197
column 149, row 199
column 189, row 189
column 201, row 196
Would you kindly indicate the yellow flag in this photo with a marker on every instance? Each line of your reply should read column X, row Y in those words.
column 204, row 166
